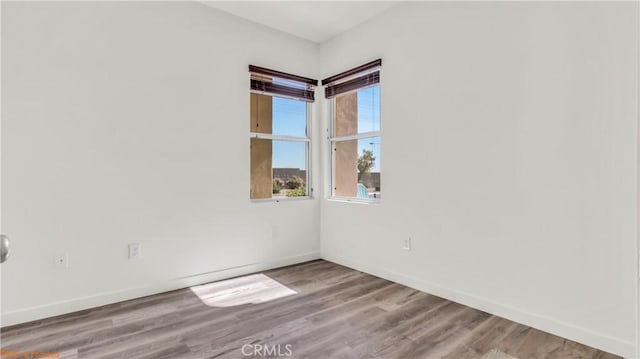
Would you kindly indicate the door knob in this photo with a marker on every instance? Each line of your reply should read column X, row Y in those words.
column 4, row 248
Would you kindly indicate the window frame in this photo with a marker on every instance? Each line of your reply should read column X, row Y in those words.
column 272, row 137
column 332, row 138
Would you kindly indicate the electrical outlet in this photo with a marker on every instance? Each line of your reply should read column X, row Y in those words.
column 134, row 251
column 406, row 244
column 61, row 260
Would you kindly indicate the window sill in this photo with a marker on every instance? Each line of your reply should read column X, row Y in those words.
column 278, row 200
column 354, row 200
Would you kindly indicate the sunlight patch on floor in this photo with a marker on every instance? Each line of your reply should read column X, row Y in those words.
column 251, row 289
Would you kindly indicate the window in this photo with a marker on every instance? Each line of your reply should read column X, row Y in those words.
column 279, row 134
column 355, row 132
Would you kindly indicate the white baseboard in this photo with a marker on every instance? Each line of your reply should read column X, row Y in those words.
column 549, row 325
column 566, row 330
column 74, row 305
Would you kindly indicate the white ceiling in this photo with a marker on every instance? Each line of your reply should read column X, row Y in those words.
column 317, row 21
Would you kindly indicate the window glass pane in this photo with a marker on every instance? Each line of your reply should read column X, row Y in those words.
column 278, row 116
column 369, row 166
column 289, row 169
column 261, row 113
column 357, row 112
column 369, row 109
column 278, row 168
column 357, row 168
column 346, row 114
column 289, row 117
column 345, row 168
column 261, row 168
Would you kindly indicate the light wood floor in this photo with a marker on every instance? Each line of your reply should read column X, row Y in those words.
column 323, row 311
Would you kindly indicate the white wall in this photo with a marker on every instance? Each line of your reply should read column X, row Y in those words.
column 508, row 155
column 128, row 122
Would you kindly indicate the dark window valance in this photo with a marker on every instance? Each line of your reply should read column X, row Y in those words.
column 359, row 77
column 277, row 83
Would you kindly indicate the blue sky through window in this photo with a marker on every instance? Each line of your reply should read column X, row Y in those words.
column 369, row 109
column 289, row 117
column 289, row 154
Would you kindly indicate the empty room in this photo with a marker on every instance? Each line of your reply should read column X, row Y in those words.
column 319, row 179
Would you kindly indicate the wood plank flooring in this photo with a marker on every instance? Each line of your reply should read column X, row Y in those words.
column 316, row 309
